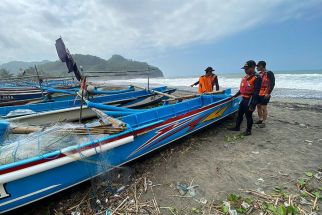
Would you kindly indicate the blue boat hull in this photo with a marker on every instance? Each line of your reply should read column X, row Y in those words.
column 151, row 130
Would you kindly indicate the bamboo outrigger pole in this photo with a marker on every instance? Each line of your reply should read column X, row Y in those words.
column 40, row 82
column 160, row 93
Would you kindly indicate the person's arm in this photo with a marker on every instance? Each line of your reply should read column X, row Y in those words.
column 271, row 78
column 216, row 83
column 195, row 84
column 257, row 87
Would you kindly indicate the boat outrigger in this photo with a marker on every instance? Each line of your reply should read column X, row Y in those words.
column 53, row 160
column 69, row 110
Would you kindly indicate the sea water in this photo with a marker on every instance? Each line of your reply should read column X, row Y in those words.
column 296, row 84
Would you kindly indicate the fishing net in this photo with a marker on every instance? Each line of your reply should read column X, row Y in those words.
column 57, row 137
column 111, row 182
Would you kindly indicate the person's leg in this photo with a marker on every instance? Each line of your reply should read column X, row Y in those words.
column 240, row 117
column 249, row 118
column 260, row 111
column 265, row 113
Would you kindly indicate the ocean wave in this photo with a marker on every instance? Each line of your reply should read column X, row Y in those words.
column 288, row 85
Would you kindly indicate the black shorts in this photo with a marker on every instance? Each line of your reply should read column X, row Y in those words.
column 262, row 100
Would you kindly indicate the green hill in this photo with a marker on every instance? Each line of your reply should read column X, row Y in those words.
column 115, row 66
column 15, row 67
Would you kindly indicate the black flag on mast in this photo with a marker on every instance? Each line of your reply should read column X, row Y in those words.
column 66, row 57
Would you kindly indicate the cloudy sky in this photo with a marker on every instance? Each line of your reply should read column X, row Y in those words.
column 179, row 36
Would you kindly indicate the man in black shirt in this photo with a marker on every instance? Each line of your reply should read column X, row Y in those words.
column 267, row 86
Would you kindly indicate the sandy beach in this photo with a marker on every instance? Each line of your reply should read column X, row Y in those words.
column 216, row 163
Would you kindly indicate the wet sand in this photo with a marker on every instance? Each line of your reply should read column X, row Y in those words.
column 277, row 155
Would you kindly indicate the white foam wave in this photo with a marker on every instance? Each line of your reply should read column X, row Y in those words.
column 283, row 81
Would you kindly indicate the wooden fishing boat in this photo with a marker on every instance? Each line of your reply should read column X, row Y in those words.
column 58, row 97
column 22, row 95
column 6, row 96
column 66, row 111
column 28, row 173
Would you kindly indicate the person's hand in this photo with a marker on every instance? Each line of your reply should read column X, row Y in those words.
column 192, row 85
column 251, row 108
column 267, row 96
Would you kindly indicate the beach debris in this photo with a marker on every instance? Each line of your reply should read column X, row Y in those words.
column 259, row 190
column 308, row 141
column 98, row 202
column 130, row 199
column 302, row 125
column 260, row 179
column 303, row 201
column 184, row 189
column 227, row 209
column 108, row 212
column 234, row 138
column 120, row 189
column 318, row 175
column 245, row 205
column 255, row 152
column 202, row 201
column 196, row 210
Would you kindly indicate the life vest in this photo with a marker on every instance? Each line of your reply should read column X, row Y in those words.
column 265, row 84
column 206, row 83
column 247, row 86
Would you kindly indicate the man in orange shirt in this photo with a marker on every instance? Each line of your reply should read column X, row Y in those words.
column 207, row 81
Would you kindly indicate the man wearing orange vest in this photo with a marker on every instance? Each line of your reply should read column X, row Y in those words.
column 249, row 90
column 207, row 82
column 268, row 84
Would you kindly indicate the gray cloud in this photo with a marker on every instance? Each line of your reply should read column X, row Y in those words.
column 28, row 28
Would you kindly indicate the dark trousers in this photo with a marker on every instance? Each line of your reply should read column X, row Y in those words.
column 244, row 109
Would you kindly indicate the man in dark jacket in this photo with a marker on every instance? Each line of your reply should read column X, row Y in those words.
column 267, row 86
column 249, row 90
